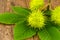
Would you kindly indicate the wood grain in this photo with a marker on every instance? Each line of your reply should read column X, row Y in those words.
column 6, row 31
column 54, row 3
column 1, row 6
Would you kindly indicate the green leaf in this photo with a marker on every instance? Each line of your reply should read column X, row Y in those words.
column 58, row 27
column 44, row 35
column 47, row 12
column 54, row 33
column 19, row 39
column 10, row 18
column 23, row 31
column 20, row 10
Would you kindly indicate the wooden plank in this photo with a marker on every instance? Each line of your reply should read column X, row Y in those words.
column 54, row 3
column 1, row 31
column 19, row 3
column 1, row 6
column 6, row 31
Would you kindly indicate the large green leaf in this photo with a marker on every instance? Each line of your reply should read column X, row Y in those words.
column 44, row 35
column 58, row 27
column 10, row 18
column 54, row 33
column 22, row 31
column 20, row 10
column 47, row 11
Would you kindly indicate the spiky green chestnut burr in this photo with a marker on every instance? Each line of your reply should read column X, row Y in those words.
column 56, row 15
column 35, row 4
column 36, row 19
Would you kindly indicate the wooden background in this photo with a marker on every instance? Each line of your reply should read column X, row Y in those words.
column 6, row 31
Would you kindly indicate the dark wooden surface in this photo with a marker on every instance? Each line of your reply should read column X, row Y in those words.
column 6, row 31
